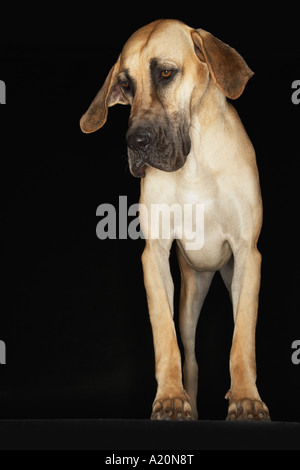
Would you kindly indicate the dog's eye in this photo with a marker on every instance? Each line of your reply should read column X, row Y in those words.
column 125, row 84
column 166, row 74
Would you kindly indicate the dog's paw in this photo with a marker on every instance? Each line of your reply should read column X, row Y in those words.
column 247, row 409
column 175, row 408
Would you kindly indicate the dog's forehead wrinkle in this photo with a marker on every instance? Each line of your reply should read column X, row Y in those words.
column 164, row 39
column 139, row 39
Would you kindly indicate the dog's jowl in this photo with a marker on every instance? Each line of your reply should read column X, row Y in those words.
column 188, row 145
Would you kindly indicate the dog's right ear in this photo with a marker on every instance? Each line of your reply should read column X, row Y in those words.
column 109, row 95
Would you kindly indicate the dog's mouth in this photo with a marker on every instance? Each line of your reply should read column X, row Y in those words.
column 138, row 166
column 138, row 169
column 168, row 155
column 140, row 172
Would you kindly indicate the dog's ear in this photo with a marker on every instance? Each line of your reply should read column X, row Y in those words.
column 227, row 68
column 109, row 95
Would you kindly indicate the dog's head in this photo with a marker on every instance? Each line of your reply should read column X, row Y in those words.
column 163, row 73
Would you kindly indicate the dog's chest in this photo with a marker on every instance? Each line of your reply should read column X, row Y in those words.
column 202, row 234
column 193, row 212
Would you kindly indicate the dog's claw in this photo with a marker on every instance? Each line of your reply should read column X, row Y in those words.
column 246, row 409
column 172, row 409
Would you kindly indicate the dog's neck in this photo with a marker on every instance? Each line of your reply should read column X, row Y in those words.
column 207, row 131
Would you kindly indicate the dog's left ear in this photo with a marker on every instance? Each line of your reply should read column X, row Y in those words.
column 227, row 68
column 109, row 95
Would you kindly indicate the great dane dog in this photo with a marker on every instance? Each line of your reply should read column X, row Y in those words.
column 187, row 144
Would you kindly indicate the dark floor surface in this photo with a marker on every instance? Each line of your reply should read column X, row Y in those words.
column 118, row 435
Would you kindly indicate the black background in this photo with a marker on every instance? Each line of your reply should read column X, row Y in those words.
column 74, row 314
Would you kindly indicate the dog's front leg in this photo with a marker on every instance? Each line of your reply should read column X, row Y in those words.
column 171, row 402
column 245, row 402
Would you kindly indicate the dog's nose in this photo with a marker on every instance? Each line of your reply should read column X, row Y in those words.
column 139, row 140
